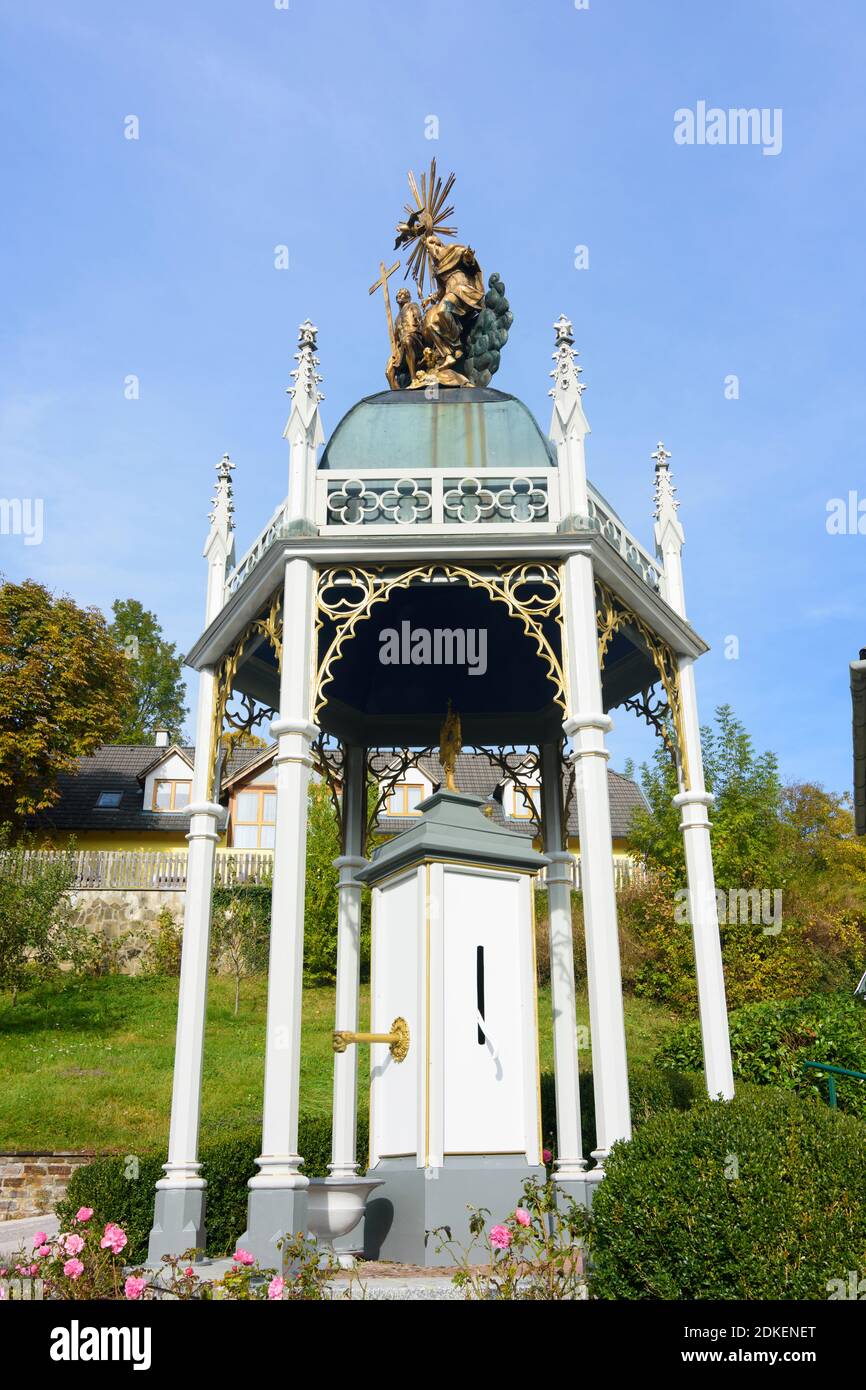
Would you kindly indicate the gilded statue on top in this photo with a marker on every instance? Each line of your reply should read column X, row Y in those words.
column 453, row 334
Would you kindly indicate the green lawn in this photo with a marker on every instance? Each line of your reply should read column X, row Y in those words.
column 86, row 1064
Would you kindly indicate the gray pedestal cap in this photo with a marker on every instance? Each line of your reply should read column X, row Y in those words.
column 453, row 827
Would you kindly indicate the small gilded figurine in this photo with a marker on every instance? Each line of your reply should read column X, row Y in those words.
column 408, row 347
column 450, row 744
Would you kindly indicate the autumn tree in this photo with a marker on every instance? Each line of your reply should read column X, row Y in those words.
column 156, row 699
column 63, row 683
column 745, row 815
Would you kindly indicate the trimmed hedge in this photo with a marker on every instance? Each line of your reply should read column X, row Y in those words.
column 762, row 1197
column 770, row 1042
column 122, row 1189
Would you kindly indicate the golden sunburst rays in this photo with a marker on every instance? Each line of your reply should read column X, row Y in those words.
column 429, row 216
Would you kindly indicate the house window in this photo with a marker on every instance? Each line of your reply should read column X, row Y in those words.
column 254, row 813
column 108, row 801
column 170, row 795
column 404, row 799
column 518, row 808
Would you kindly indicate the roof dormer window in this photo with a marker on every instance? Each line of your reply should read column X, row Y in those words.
column 108, row 800
column 170, row 795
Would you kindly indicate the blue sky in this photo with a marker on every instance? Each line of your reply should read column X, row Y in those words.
column 262, row 126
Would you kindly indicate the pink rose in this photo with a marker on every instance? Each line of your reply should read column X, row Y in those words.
column 84, row 1213
column 276, row 1286
column 40, row 1238
column 243, row 1257
column 73, row 1268
column 43, row 1251
column 189, row 1272
column 500, row 1237
column 546, row 1155
column 522, row 1216
column 114, row 1238
column 73, row 1245
column 134, row 1288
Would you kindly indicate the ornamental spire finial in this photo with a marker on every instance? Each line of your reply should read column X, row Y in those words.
column 566, row 372
column 305, row 376
column 661, row 455
column 667, row 502
column 223, row 501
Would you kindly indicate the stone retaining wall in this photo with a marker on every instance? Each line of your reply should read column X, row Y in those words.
column 126, row 915
column 32, row 1183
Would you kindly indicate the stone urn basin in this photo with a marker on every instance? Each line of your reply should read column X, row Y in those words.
column 336, row 1205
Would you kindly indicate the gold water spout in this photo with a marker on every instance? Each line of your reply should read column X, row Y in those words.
column 397, row 1039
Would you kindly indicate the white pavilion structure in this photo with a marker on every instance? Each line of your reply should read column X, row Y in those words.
column 448, row 509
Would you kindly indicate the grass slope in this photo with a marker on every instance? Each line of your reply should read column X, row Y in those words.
column 86, row 1064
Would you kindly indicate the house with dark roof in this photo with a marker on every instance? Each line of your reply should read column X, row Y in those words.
column 134, row 797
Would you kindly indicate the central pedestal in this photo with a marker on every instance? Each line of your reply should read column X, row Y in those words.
column 414, row 1203
column 455, row 1122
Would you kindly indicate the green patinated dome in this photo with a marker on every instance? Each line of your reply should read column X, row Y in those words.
column 463, row 428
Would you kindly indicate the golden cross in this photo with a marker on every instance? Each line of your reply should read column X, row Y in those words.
column 383, row 283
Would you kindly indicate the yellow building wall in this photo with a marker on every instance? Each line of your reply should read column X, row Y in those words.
column 620, row 847
column 118, row 839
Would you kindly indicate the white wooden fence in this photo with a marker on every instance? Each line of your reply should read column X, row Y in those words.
column 158, row 869
column 165, row 870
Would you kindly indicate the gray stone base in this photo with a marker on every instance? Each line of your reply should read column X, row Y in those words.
column 178, row 1223
column 273, row 1214
column 415, row 1201
column 578, row 1189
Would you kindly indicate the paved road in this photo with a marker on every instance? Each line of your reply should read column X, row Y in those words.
column 13, row 1234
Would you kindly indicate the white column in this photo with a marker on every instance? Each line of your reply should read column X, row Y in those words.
column 179, row 1216
column 277, row 1203
column 703, row 909
column 693, row 803
column 586, row 726
column 570, row 1163
column 343, row 1162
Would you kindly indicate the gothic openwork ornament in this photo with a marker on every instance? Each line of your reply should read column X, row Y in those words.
column 612, row 615
column 269, row 626
column 346, row 597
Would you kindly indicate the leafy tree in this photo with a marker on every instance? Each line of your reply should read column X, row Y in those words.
column 62, row 684
column 156, row 700
column 240, row 738
column 239, row 937
column 745, row 815
column 36, row 931
column 322, row 887
column 320, row 910
column 818, row 833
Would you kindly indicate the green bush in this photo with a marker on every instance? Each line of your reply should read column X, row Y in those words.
column 162, row 955
column 762, row 1197
column 651, row 1092
column 121, row 1189
column 770, row 1042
